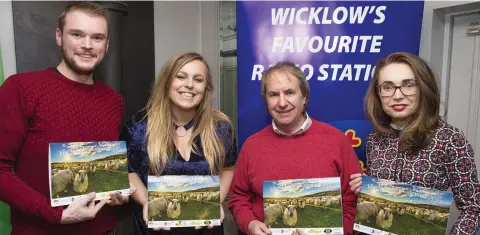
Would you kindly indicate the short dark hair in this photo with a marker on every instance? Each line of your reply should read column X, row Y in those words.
column 91, row 8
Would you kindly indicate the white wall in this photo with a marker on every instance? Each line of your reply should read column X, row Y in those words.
column 7, row 43
column 188, row 26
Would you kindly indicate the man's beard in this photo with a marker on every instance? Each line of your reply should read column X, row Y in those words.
column 70, row 62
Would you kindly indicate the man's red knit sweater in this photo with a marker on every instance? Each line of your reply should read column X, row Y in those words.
column 38, row 108
column 321, row 151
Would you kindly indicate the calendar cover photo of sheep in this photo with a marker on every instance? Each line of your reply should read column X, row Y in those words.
column 183, row 201
column 311, row 205
column 400, row 208
column 79, row 168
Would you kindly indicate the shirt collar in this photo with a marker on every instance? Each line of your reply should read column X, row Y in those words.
column 304, row 127
column 395, row 127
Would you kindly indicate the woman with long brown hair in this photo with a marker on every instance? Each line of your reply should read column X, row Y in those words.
column 179, row 133
column 411, row 143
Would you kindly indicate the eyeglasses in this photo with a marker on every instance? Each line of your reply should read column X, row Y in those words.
column 389, row 90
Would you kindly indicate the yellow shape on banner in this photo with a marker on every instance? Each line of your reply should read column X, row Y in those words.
column 352, row 137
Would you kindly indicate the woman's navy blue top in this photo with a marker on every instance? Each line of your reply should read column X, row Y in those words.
column 134, row 134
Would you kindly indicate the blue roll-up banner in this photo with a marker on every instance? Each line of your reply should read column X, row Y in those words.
column 336, row 44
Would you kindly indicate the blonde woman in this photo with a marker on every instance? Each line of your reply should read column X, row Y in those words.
column 179, row 133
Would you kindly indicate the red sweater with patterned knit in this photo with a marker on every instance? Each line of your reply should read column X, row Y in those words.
column 321, row 151
column 37, row 108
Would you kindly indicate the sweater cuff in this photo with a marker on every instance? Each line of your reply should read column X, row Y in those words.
column 245, row 219
column 54, row 216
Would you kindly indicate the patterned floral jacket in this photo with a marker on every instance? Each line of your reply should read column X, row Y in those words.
column 446, row 162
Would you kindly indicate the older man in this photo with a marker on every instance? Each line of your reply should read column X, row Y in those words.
column 294, row 146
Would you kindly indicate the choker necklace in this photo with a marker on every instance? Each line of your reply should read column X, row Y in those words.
column 181, row 131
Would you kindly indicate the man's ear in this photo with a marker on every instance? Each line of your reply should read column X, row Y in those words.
column 58, row 37
column 108, row 45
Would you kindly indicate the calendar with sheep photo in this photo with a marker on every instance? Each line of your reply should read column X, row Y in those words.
column 311, row 205
column 391, row 207
column 183, row 201
column 79, row 168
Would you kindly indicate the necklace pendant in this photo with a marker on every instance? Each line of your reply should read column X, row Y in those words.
column 181, row 131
